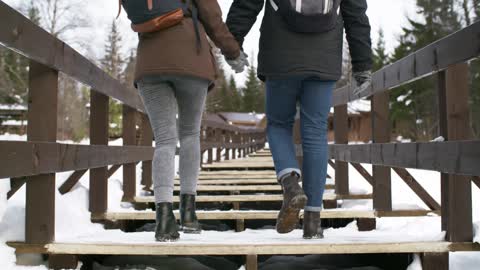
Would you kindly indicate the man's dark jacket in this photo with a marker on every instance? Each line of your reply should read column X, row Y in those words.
column 286, row 53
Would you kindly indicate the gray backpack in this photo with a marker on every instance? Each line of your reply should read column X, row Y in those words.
column 308, row 16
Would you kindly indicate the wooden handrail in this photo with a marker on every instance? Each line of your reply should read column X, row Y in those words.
column 455, row 48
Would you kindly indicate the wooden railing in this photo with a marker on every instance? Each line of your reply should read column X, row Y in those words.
column 36, row 161
column 457, row 158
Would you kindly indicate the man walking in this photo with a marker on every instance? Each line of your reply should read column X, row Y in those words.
column 300, row 59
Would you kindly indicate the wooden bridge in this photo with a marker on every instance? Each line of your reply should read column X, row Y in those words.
column 247, row 170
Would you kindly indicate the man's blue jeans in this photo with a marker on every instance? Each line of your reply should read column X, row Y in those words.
column 314, row 97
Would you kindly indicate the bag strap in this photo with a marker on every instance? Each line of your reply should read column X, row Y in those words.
column 274, row 5
column 119, row 8
column 195, row 19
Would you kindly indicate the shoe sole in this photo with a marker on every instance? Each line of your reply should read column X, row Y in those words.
column 188, row 230
column 288, row 218
column 167, row 239
column 313, row 237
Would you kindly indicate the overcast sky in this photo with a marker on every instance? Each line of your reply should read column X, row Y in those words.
column 390, row 15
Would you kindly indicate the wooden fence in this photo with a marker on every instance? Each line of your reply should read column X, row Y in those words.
column 36, row 161
column 457, row 158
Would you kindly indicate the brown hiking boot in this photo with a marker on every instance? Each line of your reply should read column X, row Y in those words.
column 311, row 225
column 294, row 200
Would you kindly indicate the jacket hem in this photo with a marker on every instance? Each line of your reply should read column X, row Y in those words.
column 169, row 71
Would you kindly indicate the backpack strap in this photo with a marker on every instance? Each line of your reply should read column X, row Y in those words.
column 195, row 19
column 119, row 8
column 274, row 5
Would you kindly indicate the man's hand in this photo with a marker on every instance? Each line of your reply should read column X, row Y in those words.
column 239, row 64
column 364, row 81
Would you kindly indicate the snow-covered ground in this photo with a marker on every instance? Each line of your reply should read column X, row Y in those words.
column 73, row 219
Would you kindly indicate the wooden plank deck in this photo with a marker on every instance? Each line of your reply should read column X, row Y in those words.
column 262, row 215
column 254, row 198
column 233, row 181
column 236, row 188
column 258, row 188
column 241, row 172
column 224, row 248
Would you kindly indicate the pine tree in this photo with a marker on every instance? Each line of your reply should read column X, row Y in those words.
column 475, row 83
column 415, row 105
column 216, row 96
column 253, row 94
column 128, row 76
column 235, row 97
column 113, row 60
column 380, row 55
column 113, row 63
column 14, row 80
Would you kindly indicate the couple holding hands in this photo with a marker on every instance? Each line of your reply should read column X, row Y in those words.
column 300, row 60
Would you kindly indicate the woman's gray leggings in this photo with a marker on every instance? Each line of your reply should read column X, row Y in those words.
column 162, row 95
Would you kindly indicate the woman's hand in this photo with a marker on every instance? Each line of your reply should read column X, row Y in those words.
column 239, row 64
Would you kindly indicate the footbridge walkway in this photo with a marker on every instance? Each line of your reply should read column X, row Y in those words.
column 237, row 183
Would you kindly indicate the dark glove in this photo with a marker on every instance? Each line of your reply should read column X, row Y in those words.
column 364, row 81
column 239, row 64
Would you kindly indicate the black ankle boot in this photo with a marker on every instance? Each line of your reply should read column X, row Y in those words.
column 294, row 200
column 188, row 218
column 312, row 226
column 167, row 228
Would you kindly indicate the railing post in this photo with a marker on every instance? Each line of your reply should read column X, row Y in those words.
column 210, row 137
column 129, row 138
column 227, row 142
column 340, row 124
column 382, row 186
column 98, row 136
column 235, row 140
column 202, row 143
column 147, row 138
column 297, row 141
column 454, row 125
column 219, row 139
column 42, row 126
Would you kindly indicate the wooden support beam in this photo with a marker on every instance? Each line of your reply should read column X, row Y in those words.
column 366, row 224
column 330, row 204
column 331, row 163
column 363, row 172
column 382, row 186
column 340, row 123
column 435, row 261
column 33, row 158
column 98, row 202
column 15, row 185
column 454, row 125
column 462, row 158
column 42, row 126
column 147, row 139
column 221, row 139
column 476, row 181
column 251, row 262
column 113, row 169
column 417, row 188
column 62, row 261
column 129, row 132
column 71, row 181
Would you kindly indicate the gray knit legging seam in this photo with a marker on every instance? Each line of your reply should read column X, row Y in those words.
column 163, row 97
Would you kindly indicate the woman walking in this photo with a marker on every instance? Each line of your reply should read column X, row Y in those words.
column 175, row 68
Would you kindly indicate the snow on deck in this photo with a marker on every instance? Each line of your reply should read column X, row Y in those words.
column 389, row 230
